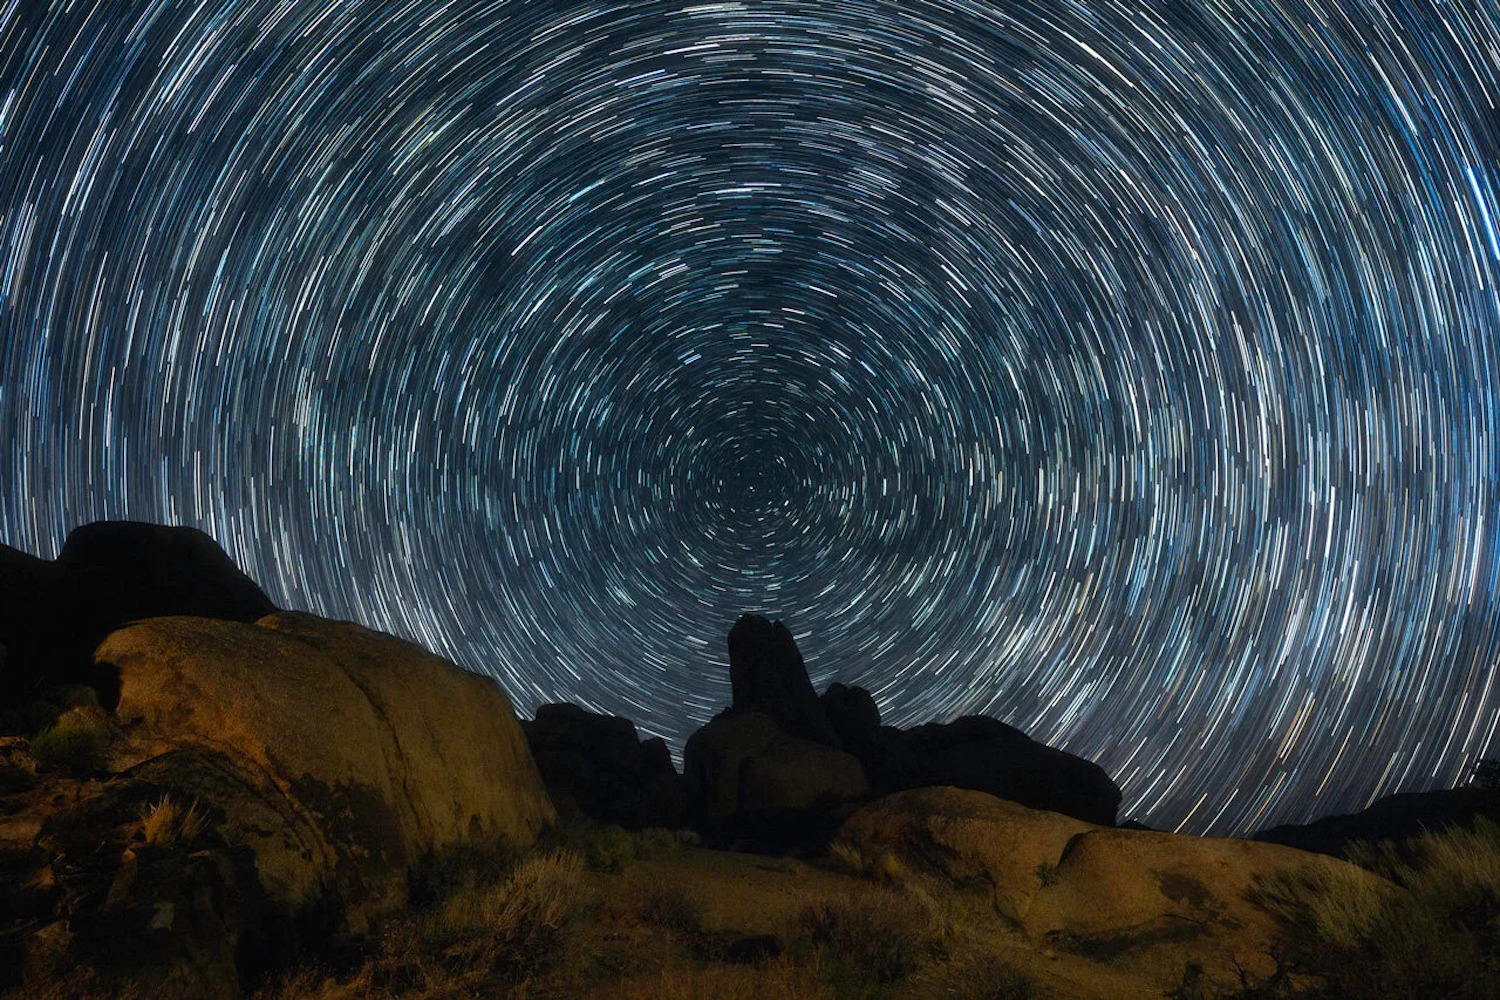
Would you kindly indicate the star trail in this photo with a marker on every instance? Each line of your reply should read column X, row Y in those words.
column 1127, row 372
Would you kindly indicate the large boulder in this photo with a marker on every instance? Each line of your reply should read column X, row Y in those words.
column 598, row 765
column 337, row 756
column 972, row 838
column 767, row 675
column 54, row 613
column 748, row 779
column 1149, row 902
column 986, row 755
column 973, row 752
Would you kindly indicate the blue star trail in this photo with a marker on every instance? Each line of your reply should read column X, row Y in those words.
column 1127, row 372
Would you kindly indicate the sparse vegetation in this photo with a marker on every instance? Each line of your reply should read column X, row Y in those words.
column 480, row 936
column 673, row 909
column 992, row 978
column 885, row 867
column 611, row 848
column 168, row 823
column 76, row 744
column 856, row 944
column 470, row 865
column 1431, row 931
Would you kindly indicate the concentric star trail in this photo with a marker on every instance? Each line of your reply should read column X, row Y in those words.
column 1125, row 371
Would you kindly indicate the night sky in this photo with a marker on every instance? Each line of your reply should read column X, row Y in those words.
column 1127, row 371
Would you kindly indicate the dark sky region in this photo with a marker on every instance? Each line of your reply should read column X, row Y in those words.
column 1127, row 371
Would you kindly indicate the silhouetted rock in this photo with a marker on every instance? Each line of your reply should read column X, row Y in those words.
column 974, row 752
column 1148, row 902
column 754, row 784
column 767, row 675
column 597, row 765
column 853, row 714
column 1395, row 817
column 986, row 755
column 54, row 614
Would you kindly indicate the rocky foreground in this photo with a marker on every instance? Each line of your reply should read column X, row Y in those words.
column 202, row 796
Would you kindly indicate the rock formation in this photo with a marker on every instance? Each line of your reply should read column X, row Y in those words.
column 767, row 675
column 324, row 760
column 53, row 614
column 1151, row 902
column 781, row 751
column 597, row 766
column 974, row 752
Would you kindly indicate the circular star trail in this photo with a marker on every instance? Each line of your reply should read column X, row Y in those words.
column 1127, row 372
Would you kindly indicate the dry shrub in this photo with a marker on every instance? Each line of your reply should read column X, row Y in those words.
column 673, row 909
column 886, row 867
column 845, row 857
column 1436, row 933
column 170, row 824
column 77, row 744
column 780, row 979
column 991, row 977
column 656, row 844
column 470, row 864
column 858, row 943
column 481, row 936
column 538, row 897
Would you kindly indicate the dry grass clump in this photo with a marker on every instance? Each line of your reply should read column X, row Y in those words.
column 780, row 979
column 1435, row 934
column 672, row 909
column 886, row 867
column 857, row 944
column 77, row 744
column 991, row 977
column 476, row 940
column 168, row 823
column 610, row 848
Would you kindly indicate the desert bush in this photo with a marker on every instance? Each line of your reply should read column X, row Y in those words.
column 674, row 910
column 1434, row 934
column 781, row 979
column 656, row 844
column 855, row 941
column 76, row 745
column 992, row 978
column 482, row 934
column 845, row 857
column 1195, row 985
column 603, row 848
column 168, row 823
column 885, row 867
column 471, row 864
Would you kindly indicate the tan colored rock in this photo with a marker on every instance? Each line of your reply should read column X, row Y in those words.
column 1155, row 901
column 971, row 837
column 1140, row 901
column 337, row 754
